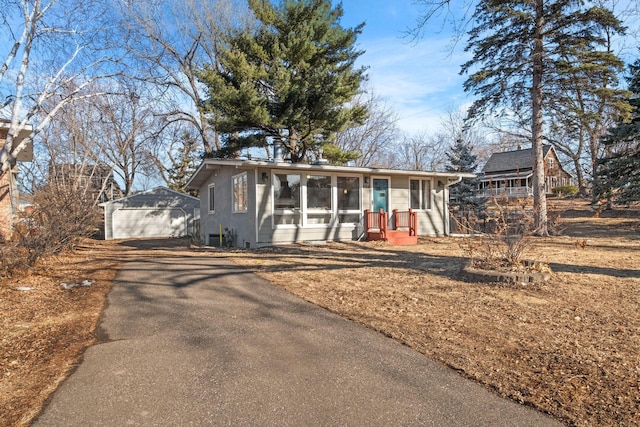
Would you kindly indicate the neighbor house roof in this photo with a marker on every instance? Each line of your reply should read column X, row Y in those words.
column 516, row 160
column 208, row 166
column 26, row 155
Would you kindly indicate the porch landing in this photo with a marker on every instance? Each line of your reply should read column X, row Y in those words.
column 405, row 230
column 394, row 237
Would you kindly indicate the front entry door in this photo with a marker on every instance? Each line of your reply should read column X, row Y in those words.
column 380, row 194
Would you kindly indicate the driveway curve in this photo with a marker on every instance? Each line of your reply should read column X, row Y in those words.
column 200, row 341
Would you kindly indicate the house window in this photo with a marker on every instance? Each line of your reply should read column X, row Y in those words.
column 550, row 161
column 240, row 193
column 319, row 210
column 286, row 196
column 420, row 194
column 348, row 199
column 212, row 198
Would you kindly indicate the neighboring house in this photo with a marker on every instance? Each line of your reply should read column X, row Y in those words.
column 9, row 197
column 96, row 180
column 246, row 203
column 160, row 212
column 510, row 173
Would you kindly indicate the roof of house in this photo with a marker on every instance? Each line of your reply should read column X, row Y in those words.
column 170, row 197
column 26, row 155
column 521, row 159
column 208, row 166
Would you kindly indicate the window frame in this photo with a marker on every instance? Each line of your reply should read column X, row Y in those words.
column 304, row 214
column 424, row 203
column 243, row 180
column 211, row 190
column 293, row 212
column 339, row 211
column 307, row 211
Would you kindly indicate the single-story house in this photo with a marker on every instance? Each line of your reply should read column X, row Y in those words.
column 510, row 173
column 250, row 203
column 9, row 197
column 160, row 212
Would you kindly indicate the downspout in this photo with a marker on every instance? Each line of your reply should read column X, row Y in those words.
column 255, row 203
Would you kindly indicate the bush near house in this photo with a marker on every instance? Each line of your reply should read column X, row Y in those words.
column 565, row 190
column 61, row 217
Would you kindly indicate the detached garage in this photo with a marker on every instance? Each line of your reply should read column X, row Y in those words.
column 160, row 212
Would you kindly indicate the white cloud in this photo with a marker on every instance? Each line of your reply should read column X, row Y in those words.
column 421, row 82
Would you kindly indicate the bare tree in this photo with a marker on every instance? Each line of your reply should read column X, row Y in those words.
column 376, row 139
column 114, row 132
column 51, row 51
column 127, row 133
column 421, row 152
column 172, row 46
column 65, row 162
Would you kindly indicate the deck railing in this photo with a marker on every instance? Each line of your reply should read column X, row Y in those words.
column 378, row 222
column 507, row 191
column 407, row 219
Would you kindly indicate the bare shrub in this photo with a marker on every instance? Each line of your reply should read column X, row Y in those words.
column 507, row 235
column 61, row 217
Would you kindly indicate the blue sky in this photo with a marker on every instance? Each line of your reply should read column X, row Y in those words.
column 419, row 80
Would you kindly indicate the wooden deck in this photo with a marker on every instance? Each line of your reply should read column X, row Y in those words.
column 404, row 231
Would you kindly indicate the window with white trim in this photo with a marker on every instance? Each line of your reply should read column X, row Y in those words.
column 286, row 199
column 319, row 208
column 349, row 206
column 212, row 198
column 420, row 194
column 240, row 186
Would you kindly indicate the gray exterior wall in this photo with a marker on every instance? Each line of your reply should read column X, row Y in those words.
column 158, row 198
column 241, row 224
column 431, row 222
column 254, row 228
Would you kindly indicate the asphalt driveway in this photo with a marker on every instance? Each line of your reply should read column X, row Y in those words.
column 199, row 341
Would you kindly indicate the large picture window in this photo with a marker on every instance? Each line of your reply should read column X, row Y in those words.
column 348, row 199
column 286, row 196
column 315, row 200
column 420, row 194
column 240, row 193
column 319, row 210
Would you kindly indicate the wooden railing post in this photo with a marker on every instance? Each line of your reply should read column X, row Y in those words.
column 396, row 222
column 413, row 223
column 384, row 221
column 367, row 224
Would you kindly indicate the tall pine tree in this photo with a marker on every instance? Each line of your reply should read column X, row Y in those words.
column 618, row 173
column 519, row 57
column 290, row 80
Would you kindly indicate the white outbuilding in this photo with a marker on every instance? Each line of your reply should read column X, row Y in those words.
column 160, row 212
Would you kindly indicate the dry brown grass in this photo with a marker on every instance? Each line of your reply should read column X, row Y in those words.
column 570, row 347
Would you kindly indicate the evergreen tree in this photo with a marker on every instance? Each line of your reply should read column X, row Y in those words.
column 464, row 201
column 290, row 80
column 618, row 173
column 520, row 51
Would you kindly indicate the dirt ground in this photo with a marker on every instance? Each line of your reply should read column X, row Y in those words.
column 569, row 346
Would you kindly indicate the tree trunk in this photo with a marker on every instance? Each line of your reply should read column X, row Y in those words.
column 580, row 181
column 539, row 195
